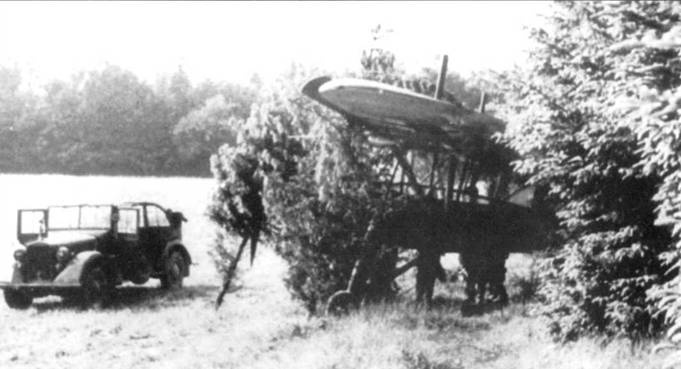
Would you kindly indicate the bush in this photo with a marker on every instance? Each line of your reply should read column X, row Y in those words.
column 312, row 180
column 572, row 137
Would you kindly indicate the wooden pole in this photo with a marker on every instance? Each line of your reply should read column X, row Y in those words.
column 410, row 156
column 440, row 88
column 433, row 170
column 441, row 184
column 404, row 268
column 407, row 170
column 465, row 170
column 439, row 91
column 483, row 101
column 230, row 273
column 451, row 178
column 391, row 182
column 401, row 180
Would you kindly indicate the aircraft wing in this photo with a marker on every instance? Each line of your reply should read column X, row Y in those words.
column 395, row 115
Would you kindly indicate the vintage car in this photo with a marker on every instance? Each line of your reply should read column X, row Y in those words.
column 82, row 252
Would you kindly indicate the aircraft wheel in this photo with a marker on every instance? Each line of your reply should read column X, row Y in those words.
column 340, row 303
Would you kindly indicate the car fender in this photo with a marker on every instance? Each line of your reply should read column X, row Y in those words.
column 73, row 271
column 177, row 245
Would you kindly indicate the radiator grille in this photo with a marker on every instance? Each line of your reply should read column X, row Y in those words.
column 40, row 263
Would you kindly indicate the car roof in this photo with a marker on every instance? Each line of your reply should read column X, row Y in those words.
column 123, row 204
column 141, row 203
column 75, row 205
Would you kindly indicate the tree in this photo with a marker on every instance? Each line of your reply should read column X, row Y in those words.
column 647, row 101
column 118, row 131
column 200, row 133
column 108, row 121
column 196, row 115
column 314, row 206
column 15, row 108
column 573, row 137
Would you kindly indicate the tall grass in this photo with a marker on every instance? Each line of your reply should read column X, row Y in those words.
column 401, row 336
column 259, row 326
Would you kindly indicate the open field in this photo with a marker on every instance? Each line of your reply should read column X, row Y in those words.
column 259, row 326
column 145, row 327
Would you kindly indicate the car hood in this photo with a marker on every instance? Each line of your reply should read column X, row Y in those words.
column 61, row 238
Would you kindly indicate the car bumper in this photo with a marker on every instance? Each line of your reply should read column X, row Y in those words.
column 39, row 288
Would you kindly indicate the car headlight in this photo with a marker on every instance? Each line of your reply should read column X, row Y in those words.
column 63, row 254
column 20, row 255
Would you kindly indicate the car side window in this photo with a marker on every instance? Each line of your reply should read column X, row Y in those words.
column 32, row 222
column 128, row 220
column 157, row 217
column 140, row 218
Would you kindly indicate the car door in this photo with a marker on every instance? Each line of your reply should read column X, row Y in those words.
column 155, row 234
column 131, row 257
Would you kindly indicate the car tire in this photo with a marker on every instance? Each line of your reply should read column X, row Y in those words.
column 174, row 271
column 142, row 272
column 71, row 299
column 17, row 299
column 96, row 288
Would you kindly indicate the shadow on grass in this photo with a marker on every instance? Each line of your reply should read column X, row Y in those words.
column 137, row 298
column 448, row 305
column 150, row 297
column 446, row 302
column 444, row 315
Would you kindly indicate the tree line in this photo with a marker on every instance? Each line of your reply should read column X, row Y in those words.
column 108, row 121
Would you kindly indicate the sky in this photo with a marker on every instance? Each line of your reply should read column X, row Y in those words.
column 230, row 41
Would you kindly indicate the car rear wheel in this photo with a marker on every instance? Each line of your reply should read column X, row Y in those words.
column 17, row 299
column 175, row 267
column 96, row 288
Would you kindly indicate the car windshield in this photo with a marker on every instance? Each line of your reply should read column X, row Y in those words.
column 79, row 217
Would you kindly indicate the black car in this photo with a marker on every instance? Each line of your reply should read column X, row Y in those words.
column 82, row 252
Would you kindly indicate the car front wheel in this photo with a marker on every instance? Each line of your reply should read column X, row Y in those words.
column 96, row 288
column 174, row 271
column 17, row 299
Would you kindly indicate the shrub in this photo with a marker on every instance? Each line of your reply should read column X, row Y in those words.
column 572, row 137
column 312, row 180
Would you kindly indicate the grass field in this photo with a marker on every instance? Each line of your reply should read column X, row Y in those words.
column 259, row 326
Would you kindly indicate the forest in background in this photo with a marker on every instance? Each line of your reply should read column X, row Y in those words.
column 109, row 121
